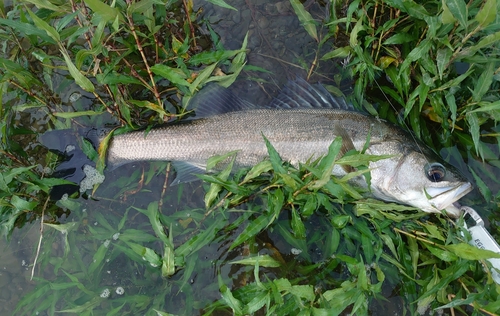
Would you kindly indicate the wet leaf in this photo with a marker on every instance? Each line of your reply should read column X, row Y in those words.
column 176, row 76
column 298, row 227
column 106, row 12
column 98, row 257
column 340, row 52
column 80, row 79
column 481, row 185
column 475, row 132
column 28, row 29
column 470, row 252
column 443, row 60
column 149, row 105
column 487, row 13
column 223, row 4
column 444, row 255
column 253, row 228
column 168, row 265
column 459, row 10
column 263, row 260
column 305, row 19
column 275, row 158
column 447, row 16
column 140, row 7
column 45, row 26
column 228, row 297
column 483, row 84
column 485, row 41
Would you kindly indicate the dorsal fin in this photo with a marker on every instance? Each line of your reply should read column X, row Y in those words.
column 300, row 94
column 214, row 99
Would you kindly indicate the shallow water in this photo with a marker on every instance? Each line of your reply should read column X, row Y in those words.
column 96, row 233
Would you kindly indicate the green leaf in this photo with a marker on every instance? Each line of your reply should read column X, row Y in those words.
column 176, row 76
column 61, row 7
column 44, row 26
column 486, row 41
column 223, row 4
column 481, row 185
column 305, row 18
column 444, row 255
column 149, row 105
column 421, row 51
column 470, row 252
column 487, row 13
column 235, row 304
column 340, row 52
column 327, row 164
column 80, row 79
column 298, row 228
column 443, row 60
column 211, row 57
column 475, row 132
column 274, row 157
column 21, row 204
column 106, row 12
column 202, row 77
column 70, row 115
column 447, row 17
column 140, row 7
column 253, row 228
column 263, row 260
column 482, row 85
column 459, row 10
column 28, row 29
column 168, row 265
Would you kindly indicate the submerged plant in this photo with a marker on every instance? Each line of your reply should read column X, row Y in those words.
column 271, row 239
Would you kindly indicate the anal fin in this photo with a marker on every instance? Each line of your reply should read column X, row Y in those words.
column 187, row 171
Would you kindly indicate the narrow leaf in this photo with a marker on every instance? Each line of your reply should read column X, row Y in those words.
column 305, row 18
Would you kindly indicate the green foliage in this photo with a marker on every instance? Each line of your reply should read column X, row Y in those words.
column 299, row 241
column 437, row 60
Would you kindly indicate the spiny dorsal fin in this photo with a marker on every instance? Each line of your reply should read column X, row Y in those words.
column 214, row 99
column 300, row 94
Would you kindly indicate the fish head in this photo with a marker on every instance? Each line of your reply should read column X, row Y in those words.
column 421, row 180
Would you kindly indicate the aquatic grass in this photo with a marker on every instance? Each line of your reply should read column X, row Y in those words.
column 435, row 61
column 271, row 239
column 334, row 246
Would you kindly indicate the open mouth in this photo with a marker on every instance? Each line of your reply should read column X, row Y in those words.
column 444, row 197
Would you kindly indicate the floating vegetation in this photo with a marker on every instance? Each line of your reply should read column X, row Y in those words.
column 272, row 239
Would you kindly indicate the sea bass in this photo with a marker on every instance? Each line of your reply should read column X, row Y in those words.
column 300, row 123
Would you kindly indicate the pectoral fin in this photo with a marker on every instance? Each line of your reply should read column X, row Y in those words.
column 186, row 171
column 347, row 145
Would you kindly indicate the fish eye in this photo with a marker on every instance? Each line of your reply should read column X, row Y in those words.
column 435, row 171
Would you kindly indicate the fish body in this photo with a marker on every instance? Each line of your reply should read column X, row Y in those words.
column 300, row 123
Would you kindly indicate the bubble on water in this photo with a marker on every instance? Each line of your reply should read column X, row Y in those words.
column 69, row 148
column 295, row 251
column 92, row 177
column 120, row 290
column 105, row 293
column 75, row 96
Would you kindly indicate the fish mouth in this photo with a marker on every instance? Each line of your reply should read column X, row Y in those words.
column 443, row 198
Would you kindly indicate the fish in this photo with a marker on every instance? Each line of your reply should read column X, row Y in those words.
column 300, row 123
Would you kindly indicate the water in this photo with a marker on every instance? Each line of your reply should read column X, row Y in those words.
column 91, row 261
